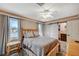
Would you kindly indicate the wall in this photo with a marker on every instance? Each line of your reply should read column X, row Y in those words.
column 25, row 24
column 51, row 30
column 73, row 29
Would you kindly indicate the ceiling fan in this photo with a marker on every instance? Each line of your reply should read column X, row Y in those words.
column 46, row 13
column 40, row 4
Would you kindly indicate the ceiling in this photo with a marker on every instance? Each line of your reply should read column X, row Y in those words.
column 32, row 10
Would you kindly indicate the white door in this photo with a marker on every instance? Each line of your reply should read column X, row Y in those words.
column 72, row 36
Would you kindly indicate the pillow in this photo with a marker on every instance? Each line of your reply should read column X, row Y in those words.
column 31, row 35
column 25, row 34
column 36, row 34
column 28, row 35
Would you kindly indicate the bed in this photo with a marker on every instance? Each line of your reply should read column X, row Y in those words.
column 39, row 45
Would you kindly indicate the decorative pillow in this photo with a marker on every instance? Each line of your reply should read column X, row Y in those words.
column 28, row 35
column 31, row 35
column 25, row 35
column 36, row 34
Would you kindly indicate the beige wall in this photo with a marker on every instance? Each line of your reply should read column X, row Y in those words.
column 27, row 24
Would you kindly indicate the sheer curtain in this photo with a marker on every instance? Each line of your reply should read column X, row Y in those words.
column 3, row 33
column 41, row 29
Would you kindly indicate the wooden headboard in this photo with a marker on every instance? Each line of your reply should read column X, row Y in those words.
column 27, row 30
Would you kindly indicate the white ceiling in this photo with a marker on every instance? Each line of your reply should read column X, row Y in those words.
column 32, row 10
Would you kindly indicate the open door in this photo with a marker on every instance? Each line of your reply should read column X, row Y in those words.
column 73, row 38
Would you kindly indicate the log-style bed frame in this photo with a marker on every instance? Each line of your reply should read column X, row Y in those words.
column 53, row 52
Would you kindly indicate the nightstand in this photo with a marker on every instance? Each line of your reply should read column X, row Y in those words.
column 13, row 46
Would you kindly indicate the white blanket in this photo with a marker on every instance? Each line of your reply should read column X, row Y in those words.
column 39, row 45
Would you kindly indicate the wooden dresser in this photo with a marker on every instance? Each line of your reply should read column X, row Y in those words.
column 73, row 48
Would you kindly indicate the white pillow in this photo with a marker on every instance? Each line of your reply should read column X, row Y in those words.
column 25, row 35
column 28, row 34
column 31, row 35
column 36, row 34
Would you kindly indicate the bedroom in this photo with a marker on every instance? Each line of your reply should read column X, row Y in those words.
column 39, row 29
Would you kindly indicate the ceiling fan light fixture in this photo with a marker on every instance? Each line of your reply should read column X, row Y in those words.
column 46, row 14
column 40, row 4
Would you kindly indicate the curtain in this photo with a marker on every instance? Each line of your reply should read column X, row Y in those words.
column 41, row 29
column 19, row 29
column 3, row 33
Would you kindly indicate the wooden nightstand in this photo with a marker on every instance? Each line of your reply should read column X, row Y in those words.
column 13, row 46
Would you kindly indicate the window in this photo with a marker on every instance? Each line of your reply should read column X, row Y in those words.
column 13, row 29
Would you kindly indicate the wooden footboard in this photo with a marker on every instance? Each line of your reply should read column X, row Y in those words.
column 54, row 50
